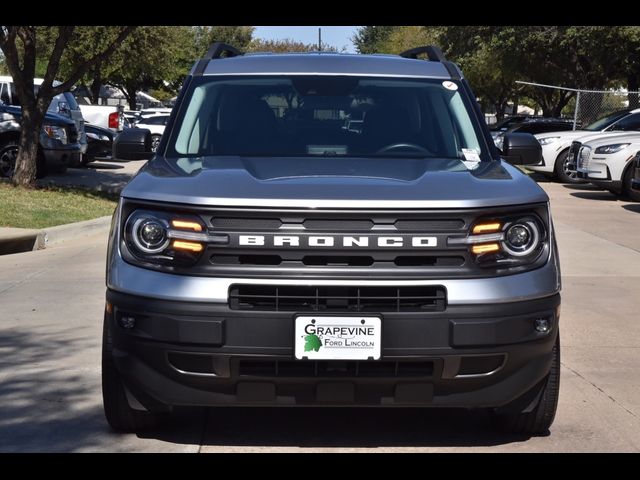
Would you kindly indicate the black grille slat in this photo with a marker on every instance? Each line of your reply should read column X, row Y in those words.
column 430, row 225
column 330, row 368
column 337, row 298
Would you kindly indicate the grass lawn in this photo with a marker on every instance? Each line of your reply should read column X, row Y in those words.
column 47, row 207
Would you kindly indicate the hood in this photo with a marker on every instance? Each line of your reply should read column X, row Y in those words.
column 606, row 139
column 48, row 118
column 333, row 182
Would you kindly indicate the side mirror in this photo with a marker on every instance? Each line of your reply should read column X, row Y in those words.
column 635, row 181
column 63, row 107
column 133, row 144
column 521, row 149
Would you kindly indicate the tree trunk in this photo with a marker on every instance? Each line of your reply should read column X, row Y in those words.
column 130, row 92
column 633, row 84
column 96, row 83
column 94, row 89
column 26, row 161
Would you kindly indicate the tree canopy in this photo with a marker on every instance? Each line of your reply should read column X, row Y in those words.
column 494, row 57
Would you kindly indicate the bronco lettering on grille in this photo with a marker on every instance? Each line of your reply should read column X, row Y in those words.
column 324, row 241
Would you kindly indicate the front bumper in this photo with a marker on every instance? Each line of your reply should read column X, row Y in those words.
column 63, row 156
column 204, row 354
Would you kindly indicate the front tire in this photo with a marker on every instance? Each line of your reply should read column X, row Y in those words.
column 627, row 191
column 120, row 416
column 539, row 419
column 561, row 170
column 8, row 155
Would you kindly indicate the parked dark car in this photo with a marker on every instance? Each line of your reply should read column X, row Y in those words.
column 100, row 143
column 59, row 145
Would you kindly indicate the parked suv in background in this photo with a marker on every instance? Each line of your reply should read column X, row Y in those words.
column 555, row 145
column 268, row 256
column 58, row 148
column 607, row 161
column 64, row 104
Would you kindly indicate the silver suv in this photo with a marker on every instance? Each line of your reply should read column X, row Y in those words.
column 269, row 254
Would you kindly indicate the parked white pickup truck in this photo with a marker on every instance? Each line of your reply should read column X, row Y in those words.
column 107, row 116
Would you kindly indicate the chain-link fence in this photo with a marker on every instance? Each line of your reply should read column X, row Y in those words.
column 587, row 106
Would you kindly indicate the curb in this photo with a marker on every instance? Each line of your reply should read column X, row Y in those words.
column 70, row 231
column 18, row 240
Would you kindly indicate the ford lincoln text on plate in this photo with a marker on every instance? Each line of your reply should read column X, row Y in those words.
column 270, row 254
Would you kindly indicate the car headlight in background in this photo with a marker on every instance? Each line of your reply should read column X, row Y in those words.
column 613, row 148
column 55, row 132
column 98, row 136
column 548, row 140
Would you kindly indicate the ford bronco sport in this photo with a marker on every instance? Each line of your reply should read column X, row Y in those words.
column 272, row 254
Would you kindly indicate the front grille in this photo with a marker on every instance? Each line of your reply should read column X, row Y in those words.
column 72, row 134
column 292, row 298
column 583, row 157
column 325, row 368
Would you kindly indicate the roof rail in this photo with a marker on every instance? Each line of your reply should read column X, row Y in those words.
column 433, row 53
column 216, row 50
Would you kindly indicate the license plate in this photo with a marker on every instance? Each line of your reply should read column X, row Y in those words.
column 337, row 338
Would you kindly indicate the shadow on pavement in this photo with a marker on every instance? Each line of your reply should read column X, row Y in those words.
column 104, row 179
column 632, row 207
column 583, row 186
column 602, row 195
column 44, row 408
column 340, row 428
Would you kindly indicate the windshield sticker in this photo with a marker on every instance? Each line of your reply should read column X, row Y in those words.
column 449, row 85
column 471, row 155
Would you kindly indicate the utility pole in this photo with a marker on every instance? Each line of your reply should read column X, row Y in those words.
column 319, row 39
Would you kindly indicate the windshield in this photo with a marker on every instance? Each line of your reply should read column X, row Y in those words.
column 314, row 115
column 604, row 122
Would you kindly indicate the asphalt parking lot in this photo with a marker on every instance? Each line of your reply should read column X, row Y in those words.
column 50, row 332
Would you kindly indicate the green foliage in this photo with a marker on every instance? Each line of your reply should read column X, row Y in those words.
column 494, row 57
column 152, row 57
column 285, row 45
column 238, row 36
column 371, row 39
column 312, row 342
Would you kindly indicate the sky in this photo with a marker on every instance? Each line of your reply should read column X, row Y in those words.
column 335, row 36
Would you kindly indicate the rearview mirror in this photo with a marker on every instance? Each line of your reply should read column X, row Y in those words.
column 521, row 149
column 133, row 144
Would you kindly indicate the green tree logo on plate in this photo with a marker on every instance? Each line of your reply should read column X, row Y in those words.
column 312, row 342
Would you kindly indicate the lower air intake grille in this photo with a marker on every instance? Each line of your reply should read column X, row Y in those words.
column 285, row 368
column 339, row 298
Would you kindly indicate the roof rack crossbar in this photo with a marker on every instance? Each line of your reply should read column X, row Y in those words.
column 433, row 53
column 217, row 49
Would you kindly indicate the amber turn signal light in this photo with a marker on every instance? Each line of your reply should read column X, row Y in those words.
column 186, row 225
column 189, row 246
column 486, row 227
column 485, row 248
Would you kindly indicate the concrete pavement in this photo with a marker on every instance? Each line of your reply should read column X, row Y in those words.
column 50, row 327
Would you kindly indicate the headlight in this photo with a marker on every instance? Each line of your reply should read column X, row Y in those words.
column 163, row 238
column 55, row 132
column 521, row 238
column 548, row 140
column 98, row 136
column 499, row 140
column 516, row 242
column 613, row 148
